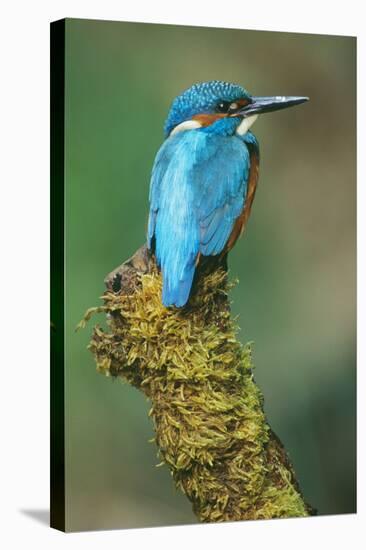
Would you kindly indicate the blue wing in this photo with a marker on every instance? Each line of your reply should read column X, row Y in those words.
column 197, row 190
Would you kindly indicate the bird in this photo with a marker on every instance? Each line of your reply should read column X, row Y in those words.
column 204, row 179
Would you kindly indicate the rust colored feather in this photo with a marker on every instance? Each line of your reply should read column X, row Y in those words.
column 208, row 119
column 244, row 216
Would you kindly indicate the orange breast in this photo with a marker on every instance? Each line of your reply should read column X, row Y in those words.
column 241, row 221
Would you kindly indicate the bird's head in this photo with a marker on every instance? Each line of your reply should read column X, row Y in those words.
column 204, row 104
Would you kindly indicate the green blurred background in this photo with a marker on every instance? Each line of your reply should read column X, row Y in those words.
column 296, row 264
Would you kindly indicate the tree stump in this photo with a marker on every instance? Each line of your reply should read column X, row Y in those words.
column 207, row 410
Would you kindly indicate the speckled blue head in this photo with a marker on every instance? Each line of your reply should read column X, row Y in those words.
column 202, row 98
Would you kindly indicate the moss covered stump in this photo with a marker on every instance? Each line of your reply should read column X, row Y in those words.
column 207, row 410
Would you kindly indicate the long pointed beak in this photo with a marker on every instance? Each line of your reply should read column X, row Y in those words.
column 268, row 104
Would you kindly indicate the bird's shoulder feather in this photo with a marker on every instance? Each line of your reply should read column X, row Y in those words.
column 215, row 170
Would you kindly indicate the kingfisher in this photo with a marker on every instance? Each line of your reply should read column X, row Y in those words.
column 204, row 179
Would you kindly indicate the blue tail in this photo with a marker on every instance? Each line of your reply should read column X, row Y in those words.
column 176, row 292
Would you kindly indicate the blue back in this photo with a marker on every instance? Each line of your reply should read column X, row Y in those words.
column 198, row 188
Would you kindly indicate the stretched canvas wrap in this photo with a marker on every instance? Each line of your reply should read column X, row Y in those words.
column 203, row 277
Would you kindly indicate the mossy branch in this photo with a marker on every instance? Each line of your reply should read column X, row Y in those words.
column 207, row 410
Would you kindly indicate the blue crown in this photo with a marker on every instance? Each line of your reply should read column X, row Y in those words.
column 201, row 98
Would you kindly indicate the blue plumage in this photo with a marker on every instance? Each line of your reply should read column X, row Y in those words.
column 201, row 98
column 202, row 186
column 198, row 188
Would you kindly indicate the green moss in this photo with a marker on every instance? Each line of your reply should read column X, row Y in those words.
column 207, row 411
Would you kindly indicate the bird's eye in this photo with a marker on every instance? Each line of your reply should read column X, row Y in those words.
column 223, row 107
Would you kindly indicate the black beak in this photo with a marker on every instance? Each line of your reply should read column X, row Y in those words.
column 268, row 104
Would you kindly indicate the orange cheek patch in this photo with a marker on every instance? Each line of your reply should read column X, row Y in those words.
column 208, row 119
column 242, row 102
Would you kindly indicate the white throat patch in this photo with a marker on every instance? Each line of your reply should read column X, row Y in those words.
column 186, row 125
column 246, row 124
